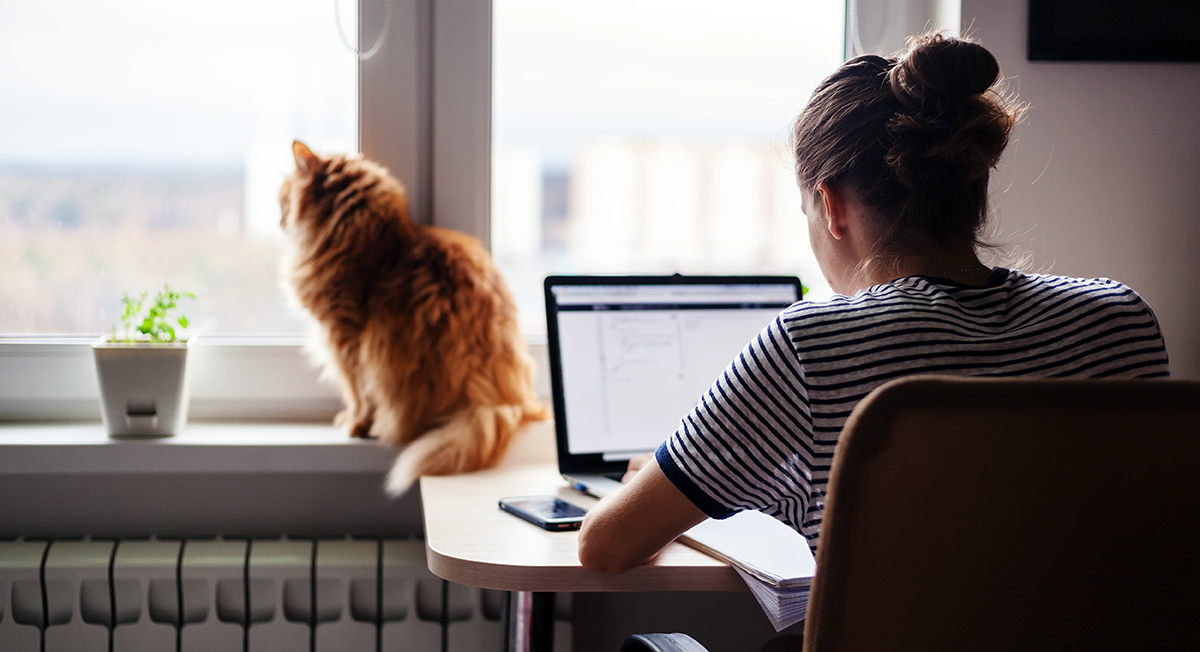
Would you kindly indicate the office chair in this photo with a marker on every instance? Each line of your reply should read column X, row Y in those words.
column 1013, row 514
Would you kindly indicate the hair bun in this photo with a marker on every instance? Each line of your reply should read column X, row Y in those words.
column 941, row 68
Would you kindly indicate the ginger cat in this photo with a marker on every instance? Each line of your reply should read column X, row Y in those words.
column 416, row 325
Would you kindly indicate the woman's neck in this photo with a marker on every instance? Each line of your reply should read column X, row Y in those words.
column 847, row 244
column 957, row 263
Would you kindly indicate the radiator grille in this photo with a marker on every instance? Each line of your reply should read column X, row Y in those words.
column 242, row 595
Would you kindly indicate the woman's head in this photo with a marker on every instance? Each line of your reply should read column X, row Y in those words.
column 913, row 139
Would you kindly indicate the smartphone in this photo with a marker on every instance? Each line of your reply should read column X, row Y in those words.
column 547, row 512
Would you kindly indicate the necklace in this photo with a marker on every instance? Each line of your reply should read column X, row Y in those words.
column 943, row 272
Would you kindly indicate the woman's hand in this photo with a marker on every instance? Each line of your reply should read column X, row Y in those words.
column 636, row 463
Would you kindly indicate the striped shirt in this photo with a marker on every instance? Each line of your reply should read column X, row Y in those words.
column 763, row 435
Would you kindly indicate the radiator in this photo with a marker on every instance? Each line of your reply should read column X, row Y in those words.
column 256, row 595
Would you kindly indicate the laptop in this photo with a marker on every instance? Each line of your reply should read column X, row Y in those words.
column 630, row 356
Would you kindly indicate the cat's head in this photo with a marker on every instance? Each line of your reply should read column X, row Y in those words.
column 325, row 189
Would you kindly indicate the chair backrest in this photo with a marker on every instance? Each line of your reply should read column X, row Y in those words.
column 968, row 514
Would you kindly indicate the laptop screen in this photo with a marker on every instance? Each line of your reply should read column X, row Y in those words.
column 630, row 356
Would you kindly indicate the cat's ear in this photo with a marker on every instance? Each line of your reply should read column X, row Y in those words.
column 306, row 161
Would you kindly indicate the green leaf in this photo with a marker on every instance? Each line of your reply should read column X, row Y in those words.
column 155, row 321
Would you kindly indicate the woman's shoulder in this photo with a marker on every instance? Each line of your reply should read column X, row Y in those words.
column 1007, row 288
column 1073, row 287
column 1004, row 281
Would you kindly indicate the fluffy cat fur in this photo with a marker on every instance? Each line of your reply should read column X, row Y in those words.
column 416, row 325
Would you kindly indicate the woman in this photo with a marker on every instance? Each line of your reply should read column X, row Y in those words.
column 892, row 160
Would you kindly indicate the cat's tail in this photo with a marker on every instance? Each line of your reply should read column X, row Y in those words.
column 474, row 439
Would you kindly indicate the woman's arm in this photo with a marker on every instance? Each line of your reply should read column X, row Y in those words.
column 632, row 525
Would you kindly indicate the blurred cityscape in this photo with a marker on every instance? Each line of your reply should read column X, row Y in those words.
column 73, row 238
column 647, row 206
column 146, row 144
column 152, row 145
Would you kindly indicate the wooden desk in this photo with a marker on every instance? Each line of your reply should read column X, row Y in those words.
column 470, row 541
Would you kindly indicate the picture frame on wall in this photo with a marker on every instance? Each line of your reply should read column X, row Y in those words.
column 1114, row 30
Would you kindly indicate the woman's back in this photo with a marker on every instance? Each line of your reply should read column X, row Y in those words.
column 1018, row 324
column 775, row 415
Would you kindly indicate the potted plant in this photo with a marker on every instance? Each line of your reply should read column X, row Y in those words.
column 143, row 372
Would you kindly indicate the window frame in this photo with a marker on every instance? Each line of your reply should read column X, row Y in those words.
column 425, row 106
column 425, row 113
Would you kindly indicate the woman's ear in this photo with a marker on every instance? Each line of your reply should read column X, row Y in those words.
column 834, row 204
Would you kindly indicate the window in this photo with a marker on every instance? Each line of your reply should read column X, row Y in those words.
column 651, row 137
column 145, row 143
column 410, row 114
column 425, row 110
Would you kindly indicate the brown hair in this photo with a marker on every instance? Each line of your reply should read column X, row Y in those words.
column 914, row 139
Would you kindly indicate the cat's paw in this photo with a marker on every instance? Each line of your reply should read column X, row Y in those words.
column 361, row 430
column 357, row 428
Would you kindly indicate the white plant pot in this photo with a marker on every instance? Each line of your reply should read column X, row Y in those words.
column 143, row 386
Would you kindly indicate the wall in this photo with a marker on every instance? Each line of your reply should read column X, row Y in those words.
column 1102, row 177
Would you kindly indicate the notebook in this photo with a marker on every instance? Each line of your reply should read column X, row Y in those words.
column 631, row 355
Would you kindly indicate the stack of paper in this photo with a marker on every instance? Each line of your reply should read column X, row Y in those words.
column 783, row 606
column 773, row 559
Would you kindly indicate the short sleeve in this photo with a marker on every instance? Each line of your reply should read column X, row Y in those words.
column 748, row 442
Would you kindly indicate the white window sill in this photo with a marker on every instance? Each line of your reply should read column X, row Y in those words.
column 232, row 479
column 216, row 448
column 259, row 455
column 85, row 448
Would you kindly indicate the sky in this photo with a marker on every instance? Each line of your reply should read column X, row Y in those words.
column 146, row 82
column 704, row 70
